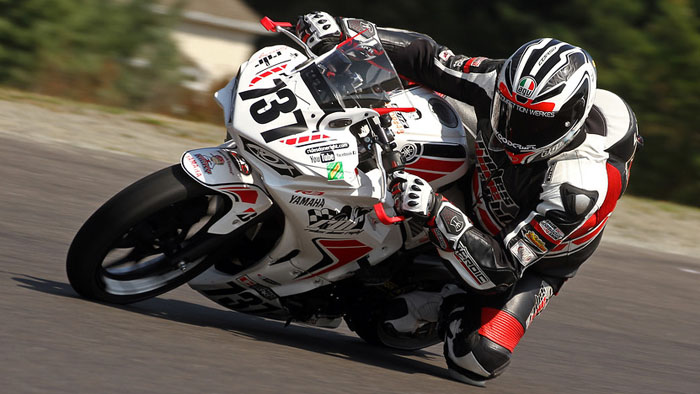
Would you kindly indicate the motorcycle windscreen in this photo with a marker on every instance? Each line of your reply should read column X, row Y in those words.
column 357, row 73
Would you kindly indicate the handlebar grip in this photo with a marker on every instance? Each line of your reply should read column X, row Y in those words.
column 383, row 217
column 392, row 162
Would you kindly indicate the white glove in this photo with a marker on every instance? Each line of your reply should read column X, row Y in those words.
column 319, row 31
column 413, row 196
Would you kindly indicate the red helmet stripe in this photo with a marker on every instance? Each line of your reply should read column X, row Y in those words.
column 546, row 106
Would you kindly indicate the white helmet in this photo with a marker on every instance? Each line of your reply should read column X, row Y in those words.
column 544, row 93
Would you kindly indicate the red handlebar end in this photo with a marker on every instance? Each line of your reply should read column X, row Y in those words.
column 271, row 25
column 383, row 217
column 384, row 111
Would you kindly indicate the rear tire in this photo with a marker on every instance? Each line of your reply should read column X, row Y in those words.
column 371, row 329
column 131, row 248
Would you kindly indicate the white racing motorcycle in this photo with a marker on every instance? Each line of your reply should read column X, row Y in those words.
column 290, row 218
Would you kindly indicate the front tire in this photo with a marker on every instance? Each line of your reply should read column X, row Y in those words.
column 141, row 243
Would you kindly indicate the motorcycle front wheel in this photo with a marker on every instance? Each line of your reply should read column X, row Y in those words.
column 148, row 239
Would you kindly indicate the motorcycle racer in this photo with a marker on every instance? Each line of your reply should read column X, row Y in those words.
column 552, row 157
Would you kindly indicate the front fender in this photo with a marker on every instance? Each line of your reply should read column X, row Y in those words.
column 224, row 171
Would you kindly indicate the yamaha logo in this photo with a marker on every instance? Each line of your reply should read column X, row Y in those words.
column 409, row 152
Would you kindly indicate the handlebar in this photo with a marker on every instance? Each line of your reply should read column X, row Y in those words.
column 390, row 161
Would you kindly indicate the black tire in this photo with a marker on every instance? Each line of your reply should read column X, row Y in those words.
column 365, row 326
column 373, row 331
column 165, row 215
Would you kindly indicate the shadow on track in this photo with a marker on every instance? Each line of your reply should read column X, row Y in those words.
column 322, row 341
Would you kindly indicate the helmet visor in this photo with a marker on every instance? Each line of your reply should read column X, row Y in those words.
column 520, row 129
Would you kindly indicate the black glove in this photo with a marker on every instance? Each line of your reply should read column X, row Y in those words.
column 319, row 31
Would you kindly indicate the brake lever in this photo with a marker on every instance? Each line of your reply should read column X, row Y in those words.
column 284, row 28
column 384, row 218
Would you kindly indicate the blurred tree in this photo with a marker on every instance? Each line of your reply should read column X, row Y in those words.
column 647, row 51
column 115, row 52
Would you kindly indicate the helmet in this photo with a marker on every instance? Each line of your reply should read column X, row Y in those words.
column 544, row 93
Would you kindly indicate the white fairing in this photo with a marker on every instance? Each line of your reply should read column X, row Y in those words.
column 218, row 170
column 432, row 140
column 224, row 98
column 306, row 160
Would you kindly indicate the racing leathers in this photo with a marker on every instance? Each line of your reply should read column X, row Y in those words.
column 527, row 227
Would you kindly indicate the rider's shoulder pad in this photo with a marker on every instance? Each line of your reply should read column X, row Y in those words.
column 577, row 202
column 574, row 186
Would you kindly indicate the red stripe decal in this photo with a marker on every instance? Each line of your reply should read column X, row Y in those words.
column 546, row 107
column 592, row 234
column 345, row 252
column 436, row 165
column 501, row 327
column 475, row 186
column 559, row 247
column 601, row 215
column 428, row 176
column 536, row 225
column 339, row 243
column 614, row 189
column 468, row 64
column 246, row 195
column 586, row 227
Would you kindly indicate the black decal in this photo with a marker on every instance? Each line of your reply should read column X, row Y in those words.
column 444, row 150
column 287, row 104
column 245, row 216
column 326, row 148
column 286, row 131
column 256, row 93
column 281, row 166
column 308, row 201
column 286, row 258
column 329, row 221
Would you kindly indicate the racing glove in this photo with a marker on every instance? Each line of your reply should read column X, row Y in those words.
column 319, row 31
column 413, row 196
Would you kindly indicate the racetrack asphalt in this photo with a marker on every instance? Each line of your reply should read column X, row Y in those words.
column 628, row 323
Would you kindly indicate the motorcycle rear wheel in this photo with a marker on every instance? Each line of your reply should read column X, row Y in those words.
column 373, row 331
column 148, row 239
